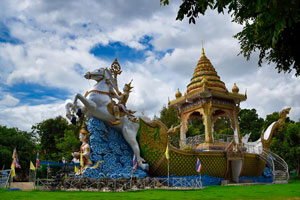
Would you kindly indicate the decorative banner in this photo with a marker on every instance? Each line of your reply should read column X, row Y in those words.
column 37, row 164
column 32, row 166
column 134, row 162
column 198, row 166
column 167, row 153
column 13, row 171
column 15, row 159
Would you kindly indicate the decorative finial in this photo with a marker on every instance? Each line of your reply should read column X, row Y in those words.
column 83, row 130
column 235, row 89
column 115, row 68
column 203, row 54
column 178, row 94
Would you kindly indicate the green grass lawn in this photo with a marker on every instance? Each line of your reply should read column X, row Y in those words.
column 281, row 191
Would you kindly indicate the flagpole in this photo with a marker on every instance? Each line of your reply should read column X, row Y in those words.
column 168, row 174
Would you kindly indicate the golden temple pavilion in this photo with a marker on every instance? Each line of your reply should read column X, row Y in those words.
column 208, row 98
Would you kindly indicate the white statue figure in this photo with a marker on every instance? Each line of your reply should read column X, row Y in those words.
column 84, row 149
column 98, row 102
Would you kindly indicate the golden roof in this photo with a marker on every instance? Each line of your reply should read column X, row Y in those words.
column 205, row 70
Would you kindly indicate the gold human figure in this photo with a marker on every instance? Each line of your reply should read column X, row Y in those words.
column 121, row 105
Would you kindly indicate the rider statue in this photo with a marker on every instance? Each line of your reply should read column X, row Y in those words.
column 120, row 107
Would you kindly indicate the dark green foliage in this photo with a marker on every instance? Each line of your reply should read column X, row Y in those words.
column 287, row 144
column 270, row 26
column 223, row 126
column 24, row 142
column 250, row 123
column 169, row 116
column 195, row 127
column 57, row 139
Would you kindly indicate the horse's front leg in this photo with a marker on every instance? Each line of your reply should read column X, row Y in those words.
column 70, row 109
column 87, row 104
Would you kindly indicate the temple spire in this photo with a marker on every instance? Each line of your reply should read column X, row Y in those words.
column 203, row 54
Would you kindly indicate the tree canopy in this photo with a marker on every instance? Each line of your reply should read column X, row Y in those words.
column 270, row 26
column 24, row 142
column 57, row 138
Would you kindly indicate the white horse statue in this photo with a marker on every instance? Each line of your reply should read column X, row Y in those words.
column 95, row 103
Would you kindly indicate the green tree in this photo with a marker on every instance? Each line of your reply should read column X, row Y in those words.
column 195, row 127
column 250, row 123
column 223, row 126
column 24, row 142
column 270, row 26
column 286, row 143
column 57, row 138
column 169, row 116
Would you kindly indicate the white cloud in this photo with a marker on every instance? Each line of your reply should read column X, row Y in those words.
column 8, row 101
column 57, row 36
column 23, row 117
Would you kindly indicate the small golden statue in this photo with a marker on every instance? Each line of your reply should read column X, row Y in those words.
column 84, row 155
column 120, row 108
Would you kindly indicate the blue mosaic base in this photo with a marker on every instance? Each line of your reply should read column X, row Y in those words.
column 266, row 177
column 109, row 145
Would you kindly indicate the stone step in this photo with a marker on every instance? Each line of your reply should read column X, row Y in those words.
column 25, row 186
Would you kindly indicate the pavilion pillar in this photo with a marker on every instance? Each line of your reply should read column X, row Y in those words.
column 237, row 133
column 183, row 130
column 207, row 121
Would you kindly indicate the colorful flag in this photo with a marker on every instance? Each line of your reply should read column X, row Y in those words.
column 75, row 169
column 15, row 159
column 32, row 166
column 198, row 166
column 37, row 164
column 13, row 170
column 134, row 162
column 48, row 168
column 167, row 153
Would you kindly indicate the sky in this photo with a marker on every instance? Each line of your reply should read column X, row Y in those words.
column 47, row 46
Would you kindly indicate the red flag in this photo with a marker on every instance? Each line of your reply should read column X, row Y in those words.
column 37, row 160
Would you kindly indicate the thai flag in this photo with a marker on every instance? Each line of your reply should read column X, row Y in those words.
column 37, row 160
column 48, row 168
column 134, row 162
column 17, row 165
column 198, row 166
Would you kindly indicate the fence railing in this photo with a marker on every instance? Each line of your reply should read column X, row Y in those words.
column 5, row 178
column 108, row 184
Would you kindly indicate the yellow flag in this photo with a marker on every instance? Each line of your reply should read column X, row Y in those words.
column 32, row 167
column 75, row 169
column 167, row 153
column 81, row 159
column 13, row 171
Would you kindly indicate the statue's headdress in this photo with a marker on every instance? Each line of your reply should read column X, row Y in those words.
column 84, row 131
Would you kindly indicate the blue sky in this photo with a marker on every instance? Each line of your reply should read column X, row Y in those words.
column 46, row 47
